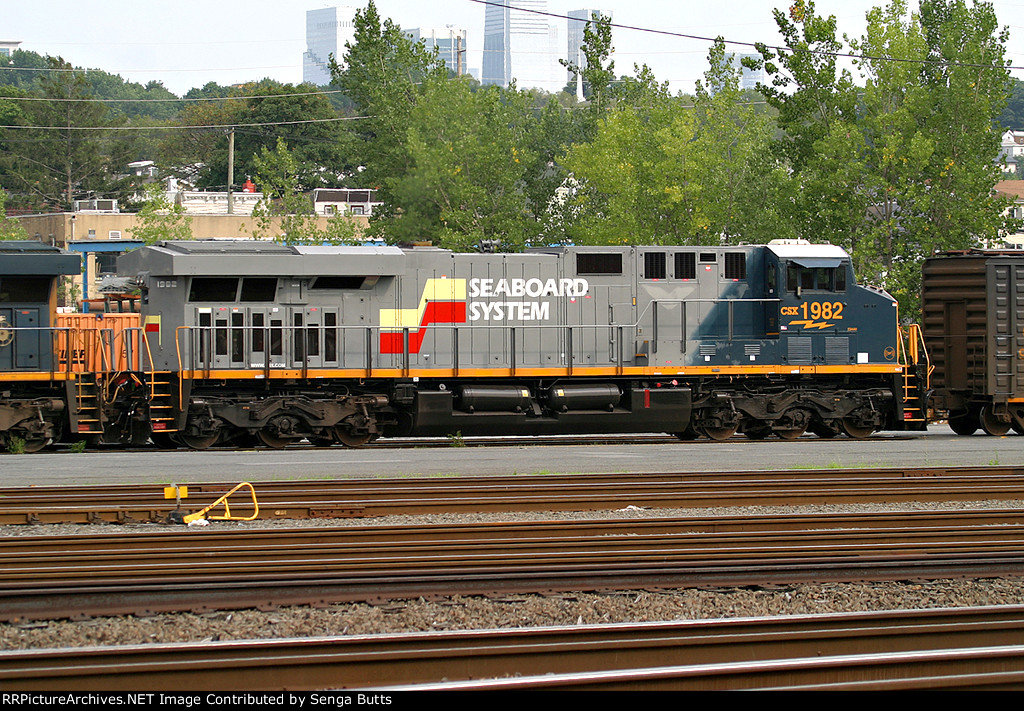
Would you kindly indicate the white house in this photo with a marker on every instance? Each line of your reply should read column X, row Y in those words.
column 343, row 201
column 1011, row 150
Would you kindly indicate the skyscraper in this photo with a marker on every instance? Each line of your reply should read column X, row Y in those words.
column 751, row 77
column 522, row 46
column 447, row 41
column 578, row 20
column 327, row 31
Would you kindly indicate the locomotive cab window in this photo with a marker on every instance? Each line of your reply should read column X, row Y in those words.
column 813, row 277
column 24, row 289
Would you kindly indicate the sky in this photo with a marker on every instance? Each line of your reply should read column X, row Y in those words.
column 188, row 43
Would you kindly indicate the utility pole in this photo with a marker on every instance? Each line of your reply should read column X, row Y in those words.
column 231, row 170
column 458, row 51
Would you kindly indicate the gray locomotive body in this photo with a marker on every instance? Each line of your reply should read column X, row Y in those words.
column 346, row 344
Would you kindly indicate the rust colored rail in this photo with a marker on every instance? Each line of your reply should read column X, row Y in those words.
column 369, row 498
column 844, row 650
column 237, row 569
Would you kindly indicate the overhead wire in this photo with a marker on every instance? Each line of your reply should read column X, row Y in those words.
column 494, row 3
column 755, row 45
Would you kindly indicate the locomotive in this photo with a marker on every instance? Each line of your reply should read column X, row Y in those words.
column 251, row 341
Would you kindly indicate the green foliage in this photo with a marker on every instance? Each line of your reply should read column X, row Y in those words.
column 891, row 160
column 15, row 445
column 468, row 154
column 662, row 172
column 315, row 145
column 54, row 166
column 68, row 292
column 285, row 213
column 907, row 164
column 160, row 220
column 9, row 229
column 384, row 74
column 596, row 68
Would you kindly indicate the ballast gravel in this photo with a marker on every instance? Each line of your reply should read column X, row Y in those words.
column 473, row 612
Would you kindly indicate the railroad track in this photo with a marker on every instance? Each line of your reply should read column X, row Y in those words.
column 71, row 576
column 578, row 492
column 963, row 648
column 526, row 441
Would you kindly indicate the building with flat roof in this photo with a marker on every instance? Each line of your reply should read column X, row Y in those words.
column 327, row 31
column 522, row 46
column 449, row 41
column 7, row 48
column 578, row 20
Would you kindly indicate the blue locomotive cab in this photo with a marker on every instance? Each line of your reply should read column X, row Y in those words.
column 29, row 275
column 824, row 316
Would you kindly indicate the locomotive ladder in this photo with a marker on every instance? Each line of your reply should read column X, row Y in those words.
column 916, row 365
column 161, row 402
column 86, row 399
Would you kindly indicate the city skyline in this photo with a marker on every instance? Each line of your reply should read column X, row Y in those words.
column 193, row 43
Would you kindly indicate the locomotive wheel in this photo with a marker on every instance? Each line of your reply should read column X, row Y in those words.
column 792, row 433
column 991, row 424
column 199, row 442
column 1016, row 427
column 272, row 440
column 347, row 438
column 856, row 431
column 34, row 444
column 720, row 434
column 963, row 424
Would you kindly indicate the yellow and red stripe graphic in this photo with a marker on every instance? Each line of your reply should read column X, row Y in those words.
column 442, row 301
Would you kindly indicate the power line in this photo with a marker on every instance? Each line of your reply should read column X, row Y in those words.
column 172, row 101
column 187, row 128
column 683, row 35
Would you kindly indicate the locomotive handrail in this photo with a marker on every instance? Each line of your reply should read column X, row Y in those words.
column 208, row 348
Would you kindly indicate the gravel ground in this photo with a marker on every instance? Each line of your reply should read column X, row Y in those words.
column 460, row 613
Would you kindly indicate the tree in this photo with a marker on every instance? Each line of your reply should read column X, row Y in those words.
column 596, row 68
column 64, row 159
column 661, row 171
column 807, row 89
column 9, row 229
column 907, row 164
column 160, row 220
column 383, row 74
column 285, row 213
column 314, row 133
column 469, row 153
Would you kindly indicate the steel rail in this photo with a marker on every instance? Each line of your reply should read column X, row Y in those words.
column 990, row 668
column 362, row 498
column 167, row 539
column 710, row 651
column 202, row 574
